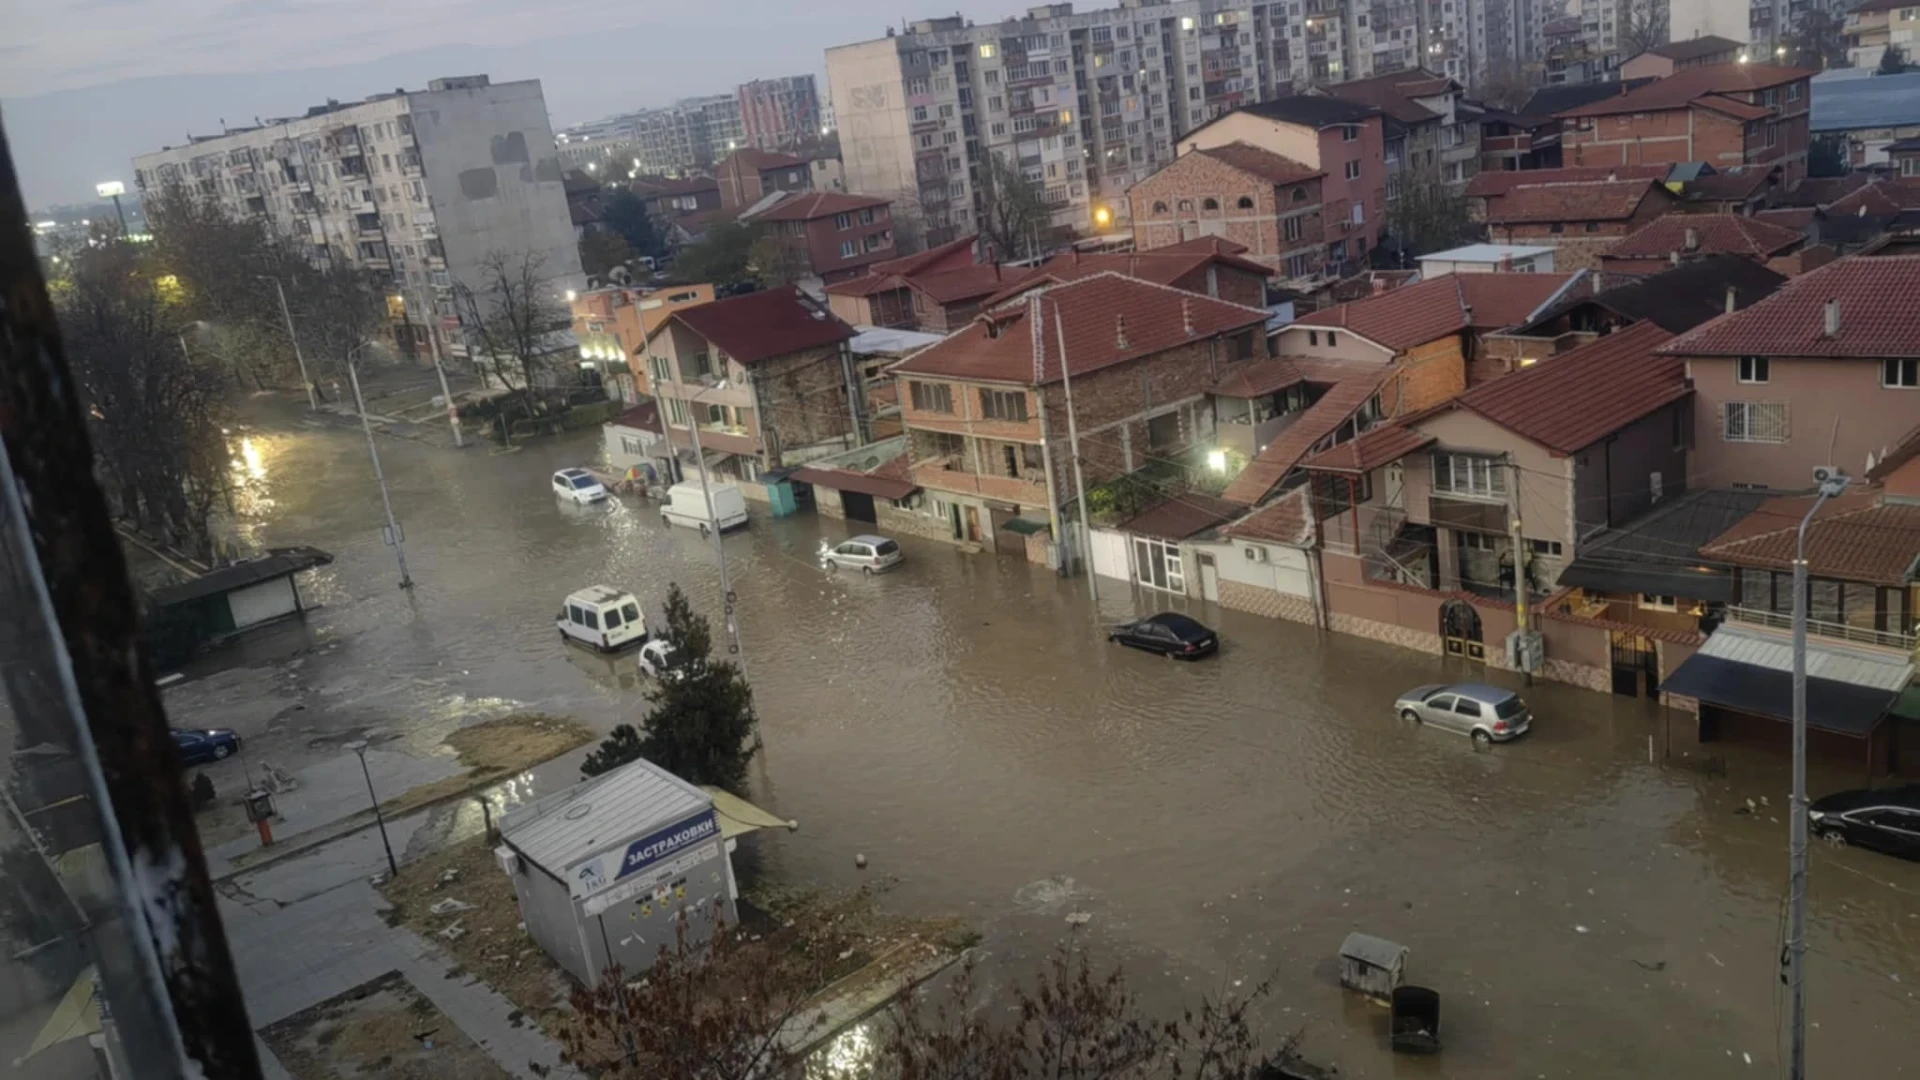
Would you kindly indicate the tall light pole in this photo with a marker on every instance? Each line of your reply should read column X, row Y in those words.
column 373, row 451
column 113, row 189
column 1831, row 484
column 713, row 526
column 1073, row 445
column 313, row 403
column 359, row 747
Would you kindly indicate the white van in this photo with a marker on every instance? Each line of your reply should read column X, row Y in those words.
column 604, row 618
column 687, row 505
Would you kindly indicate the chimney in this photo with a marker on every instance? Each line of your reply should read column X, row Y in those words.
column 1673, row 258
column 1186, row 315
column 1833, row 318
column 1506, row 263
column 1731, row 305
column 1120, row 331
column 1693, row 240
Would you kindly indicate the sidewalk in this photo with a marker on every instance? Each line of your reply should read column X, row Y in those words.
column 403, row 401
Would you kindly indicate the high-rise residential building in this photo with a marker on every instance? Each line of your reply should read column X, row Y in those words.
column 1086, row 104
column 779, row 114
column 418, row 187
column 726, row 129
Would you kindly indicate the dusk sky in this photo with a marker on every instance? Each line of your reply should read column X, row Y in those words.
column 86, row 85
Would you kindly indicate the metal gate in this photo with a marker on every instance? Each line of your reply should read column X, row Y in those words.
column 1460, row 630
column 1636, row 666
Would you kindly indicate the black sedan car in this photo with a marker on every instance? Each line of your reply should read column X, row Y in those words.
column 1169, row 634
column 1886, row 820
column 206, row 744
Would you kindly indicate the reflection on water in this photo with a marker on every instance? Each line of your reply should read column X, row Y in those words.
column 963, row 723
column 849, row 1055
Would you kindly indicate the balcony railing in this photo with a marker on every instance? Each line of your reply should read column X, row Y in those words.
column 1861, row 635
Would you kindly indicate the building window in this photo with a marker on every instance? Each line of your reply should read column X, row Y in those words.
column 1755, row 421
column 1547, row 548
column 1157, row 565
column 676, row 411
column 848, row 249
column 1651, row 602
column 1793, row 89
column 1475, row 541
column 1245, row 202
column 1313, row 338
column 987, row 51
column 1353, row 170
column 930, row 397
column 1753, row 369
column 1900, row 373
column 1469, row 476
column 1003, row 405
column 1210, row 204
column 633, row 446
column 1349, row 133
column 1159, row 207
column 843, row 221
column 662, row 369
column 1333, row 339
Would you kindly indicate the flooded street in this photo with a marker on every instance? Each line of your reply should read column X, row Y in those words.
column 964, row 724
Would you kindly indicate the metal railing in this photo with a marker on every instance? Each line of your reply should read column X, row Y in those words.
column 1863, row 635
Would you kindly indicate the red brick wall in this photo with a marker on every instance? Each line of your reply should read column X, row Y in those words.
column 1663, row 135
column 1171, row 206
column 1228, row 283
column 801, row 400
column 1339, row 194
column 824, row 239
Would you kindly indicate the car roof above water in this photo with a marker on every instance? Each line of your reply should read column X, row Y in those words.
column 599, row 594
column 1907, row 796
column 573, row 473
column 1491, row 695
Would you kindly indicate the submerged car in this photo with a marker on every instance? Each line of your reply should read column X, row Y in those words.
column 1487, row 713
column 873, row 554
column 1887, row 820
column 205, row 744
column 578, row 485
column 1169, row 634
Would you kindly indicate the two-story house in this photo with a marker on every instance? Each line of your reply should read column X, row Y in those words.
column 836, row 236
column 1669, row 240
column 1579, row 220
column 1365, row 361
column 612, row 325
column 767, row 378
column 1267, row 204
column 1826, row 371
column 668, row 197
column 1344, row 140
column 1438, row 138
column 987, row 409
column 934, row 290
column 1722, row 114
column 748, row 175
column 1663, row 60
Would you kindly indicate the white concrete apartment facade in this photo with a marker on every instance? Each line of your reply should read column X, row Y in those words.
column 418, row 187
column 1089, row 103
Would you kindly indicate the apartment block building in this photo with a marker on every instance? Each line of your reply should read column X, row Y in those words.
column 418, row 187
column 1726, row 115
column 778, row 114
column 1089, row 103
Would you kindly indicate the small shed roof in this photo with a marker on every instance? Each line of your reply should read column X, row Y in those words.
column 280, row 562
column 558, row 831
column 1377, row 951
column 1487, row 253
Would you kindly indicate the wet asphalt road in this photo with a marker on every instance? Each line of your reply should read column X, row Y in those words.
column 964, row 724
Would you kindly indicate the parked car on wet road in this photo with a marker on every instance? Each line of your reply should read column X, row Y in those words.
column 1887, row 820
column 1169, row 634
column 204, row 745
column 873, row 554
column 1487, row 713
column 578, row 485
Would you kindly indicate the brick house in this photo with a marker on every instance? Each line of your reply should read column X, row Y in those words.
column 765, row 376
column 1826, row 371
column 1344, row 140
column 837, row 236
column 1489, row 186
column 934, row 290
column 985, row 410
column 1722, row 114
column 1670, row 240
column 668, row 197
column 1433, row 133
column 1580, row 220
column 1266, row 204
column 747, row 176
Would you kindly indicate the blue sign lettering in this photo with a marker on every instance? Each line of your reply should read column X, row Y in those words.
column 667, row 843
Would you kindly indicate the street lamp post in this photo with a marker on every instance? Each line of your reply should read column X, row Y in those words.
column 373, row 451
column 313, row 403
column 1830, row 485
column 713, row 527
column 113, row 189
column 359, row 747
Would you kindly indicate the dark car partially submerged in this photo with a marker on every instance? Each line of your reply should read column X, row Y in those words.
column 1886, row 820
column 1169, row 634
column 202, row 745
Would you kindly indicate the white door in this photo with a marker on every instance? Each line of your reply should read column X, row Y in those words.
column 1110, row 554
column 256, row 604
column 1209, row 577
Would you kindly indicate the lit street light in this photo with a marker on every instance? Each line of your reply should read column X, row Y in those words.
column 113, row 189
column 359, row 747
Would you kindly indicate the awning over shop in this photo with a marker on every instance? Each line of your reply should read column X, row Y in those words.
column 1707, row 585
column 884, row 487
column 1849, row 688
column 1024, row 526
column 76, row 1017
column 739, row 817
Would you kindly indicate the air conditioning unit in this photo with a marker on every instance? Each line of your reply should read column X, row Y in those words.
column 1254, row 554
column 508, row 859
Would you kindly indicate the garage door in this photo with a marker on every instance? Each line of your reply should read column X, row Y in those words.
column 258, row 603
column 1110, row 554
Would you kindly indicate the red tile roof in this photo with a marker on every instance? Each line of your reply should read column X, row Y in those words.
column 1876, row 297
column 1181, row 516
column 1321, row 419
column 1684, row 87
column 1587, row 200
column 1393, row 93
column 670, row 185
column 1380, row 446
column 1286, row 520
column 1416, row 314
column 1573, row 400
column 1855, row 537
column 1264, row 164
column 642, row 417
column 1163, row 266
column 1885, row 197
column 867, row 285
column 998, row 346
column 1258, row 378
column 889, row 274
column 965, row 283
column 1487, row 185
column 762, row 160
column 1791, row 217
column 1739, row 110
column 1714, row 234
column 762, row 325
column 885, row 487
column 1736, row 184
column 818, row 204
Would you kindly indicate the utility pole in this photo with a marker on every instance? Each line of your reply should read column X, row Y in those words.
column 1832, row 482
column 313, row 404
column 713, row 527
column 1079, row 477
column 1516, row 538
column 373, row 451
column 440, row 369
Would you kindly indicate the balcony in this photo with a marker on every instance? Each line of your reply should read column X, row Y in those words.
column 1840, row 631
column 948, row 474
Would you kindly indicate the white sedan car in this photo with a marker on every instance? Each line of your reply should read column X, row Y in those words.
column 655, row 660
column 578, row 485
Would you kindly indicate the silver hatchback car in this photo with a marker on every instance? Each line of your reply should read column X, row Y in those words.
column 1487, row 713
column 872, row 554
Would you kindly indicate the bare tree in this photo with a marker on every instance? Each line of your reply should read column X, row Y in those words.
column 215, row 265
column 338, row 312
column 909, row 218
column 778, row 260
column 1429, row 215
column 1507, row 86
column 517, row 318
column 1818, row 40
column 1643, row 25
column 1016, row 211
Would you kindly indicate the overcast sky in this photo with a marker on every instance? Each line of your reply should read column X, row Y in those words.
column 87, row 84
